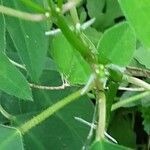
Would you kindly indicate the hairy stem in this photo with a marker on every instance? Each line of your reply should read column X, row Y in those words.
column 82, row 27
column 61, row 87
column 129, row 100
column 50, row 111
column 100, row 133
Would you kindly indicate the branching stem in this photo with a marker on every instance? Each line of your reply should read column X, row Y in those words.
column 100, row 133
column 50, row 111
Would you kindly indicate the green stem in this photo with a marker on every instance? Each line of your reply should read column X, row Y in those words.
column 49, row 111
column 137, row 82
column 22, row 15
column 129, row 100
column 6, row 114
column 74, row 15
column 100, row 133
column 138, row 72
column 75, row 40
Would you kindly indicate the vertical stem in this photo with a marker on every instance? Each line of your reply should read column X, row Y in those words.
column 102, row 116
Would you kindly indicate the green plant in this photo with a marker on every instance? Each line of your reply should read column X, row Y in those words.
column 92, row 60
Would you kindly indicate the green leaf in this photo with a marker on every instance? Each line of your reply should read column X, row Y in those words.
column 69, row 61
column 10, row 138
column 146, row 117
column 138, row 14
column 61, row 130
column 142, row 55
column 30, row 41
column 105, row 12
column 34, row 6
column 2, row 32
column 117, row 44
column 106, row 145
column 121, row 129
column 12, row 81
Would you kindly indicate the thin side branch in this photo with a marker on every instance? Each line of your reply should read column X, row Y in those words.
column 137, row 82
column 129, row 100
column 35, row 17
column 22, row 15
column 32, row 85
column 49, row 87
column 6, row 114
column 131, row 89
column 82, row 27
column 17, row 64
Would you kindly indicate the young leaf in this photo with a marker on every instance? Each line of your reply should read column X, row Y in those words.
column 138, row 14
column 105, row 12
column 69, row 61
column 10, row 138
column 117, row 44
column 12, row 81
column 30, row 41
column 105, row 145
